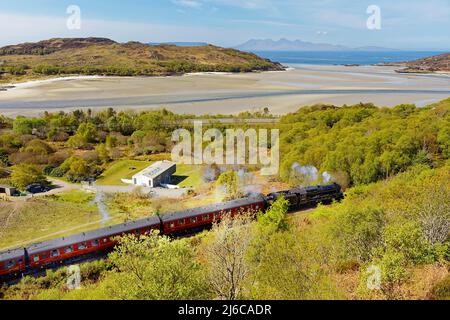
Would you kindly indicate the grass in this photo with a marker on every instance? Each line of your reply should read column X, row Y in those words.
column 130, row 60
column 121, row 169
column 25, row 220
column 76, row 196
column 188, row 176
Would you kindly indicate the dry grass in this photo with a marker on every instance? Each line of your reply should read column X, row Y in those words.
column 25, row 220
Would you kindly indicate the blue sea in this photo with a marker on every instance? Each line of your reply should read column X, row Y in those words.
column 344, row 57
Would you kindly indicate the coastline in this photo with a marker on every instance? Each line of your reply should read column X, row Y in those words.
column 228, row 93
column 38, row 82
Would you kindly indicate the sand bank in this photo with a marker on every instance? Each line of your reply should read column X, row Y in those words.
column 211, row 93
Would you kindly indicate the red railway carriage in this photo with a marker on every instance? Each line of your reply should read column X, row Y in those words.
column 85, row 245
column 82, row 244
column 190, row 220
column 12, row 262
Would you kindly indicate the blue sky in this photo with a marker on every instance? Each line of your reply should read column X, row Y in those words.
column 406, row 24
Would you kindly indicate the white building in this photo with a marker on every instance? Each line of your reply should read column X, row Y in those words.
column 156, row 175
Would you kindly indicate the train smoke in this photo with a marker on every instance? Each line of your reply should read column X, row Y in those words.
column 309, row 174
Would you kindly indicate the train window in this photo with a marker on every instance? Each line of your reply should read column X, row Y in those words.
column 10, row 264
column 206, row 217
column 36, row 258
column 193, row 220
column 68, row 250
column 172, row 225
column 82, row 246
column 181, row 222
column 55, row 253
column 95, row 243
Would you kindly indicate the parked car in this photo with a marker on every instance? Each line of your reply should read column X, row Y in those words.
column 37, row 188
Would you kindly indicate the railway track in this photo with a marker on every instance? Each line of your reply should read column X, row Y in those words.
column 34, row 259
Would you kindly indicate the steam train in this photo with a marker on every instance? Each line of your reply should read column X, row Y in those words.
column 52, row 254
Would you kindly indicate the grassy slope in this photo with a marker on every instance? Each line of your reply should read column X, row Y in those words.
column 189, row 176
column 141, row 59
column 121, row 169
column 25, row 220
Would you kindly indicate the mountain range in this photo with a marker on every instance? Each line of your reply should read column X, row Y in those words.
column 299, row 45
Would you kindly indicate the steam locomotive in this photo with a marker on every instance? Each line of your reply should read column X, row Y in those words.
column 52, row 254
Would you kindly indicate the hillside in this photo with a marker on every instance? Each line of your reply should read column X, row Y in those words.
column 99, row 56
column 439, row 63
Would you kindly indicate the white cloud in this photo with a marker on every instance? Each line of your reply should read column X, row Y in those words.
column 28, row 28
column 188, row 3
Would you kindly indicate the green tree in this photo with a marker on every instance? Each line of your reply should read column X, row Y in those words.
column 88, row 131
column 155, row 268
column 229, row 182
column 22, row 125
column 358, row 231
column 25, row 174
column 276, row 217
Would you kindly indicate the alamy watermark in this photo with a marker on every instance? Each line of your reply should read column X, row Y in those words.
column 373, row 277
column 237, row 147
column 374, row 20
column 74, row 19
column 74, row 278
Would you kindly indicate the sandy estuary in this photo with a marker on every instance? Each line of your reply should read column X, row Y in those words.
column 281, row 92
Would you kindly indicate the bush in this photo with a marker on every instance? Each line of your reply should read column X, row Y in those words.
column 441, row 291
column 25, row 174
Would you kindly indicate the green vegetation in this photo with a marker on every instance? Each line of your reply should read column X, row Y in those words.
column 37, row 219
column 394, row 164
column 363, row 144
column 394, row 225
column 121, row 169
column 59, row 57
column 188, row 176
column 24, row 175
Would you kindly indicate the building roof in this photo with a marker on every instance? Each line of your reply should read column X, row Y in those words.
column 6, row 187
column 156, row 169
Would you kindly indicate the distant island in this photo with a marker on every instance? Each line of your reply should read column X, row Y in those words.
column 255, row 45
column 101, row 56
column 180, row 44
column 439, row 63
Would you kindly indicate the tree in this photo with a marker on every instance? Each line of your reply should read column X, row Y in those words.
column 225, row 256
column 88, row 131
column 358, row 231
column 22, row 125
column 229, row 181
column 276, row 217
column 25, row 174
column 76, row 142
column 78, row 169
column 102, row 152
column 155, row 268
column 39, row 147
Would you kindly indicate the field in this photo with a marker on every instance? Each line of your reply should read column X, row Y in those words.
column 121, row 169
column 44, row 218
column 188, row 176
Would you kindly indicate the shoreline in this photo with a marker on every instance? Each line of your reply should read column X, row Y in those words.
column 229, row 93
column 38, row 82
